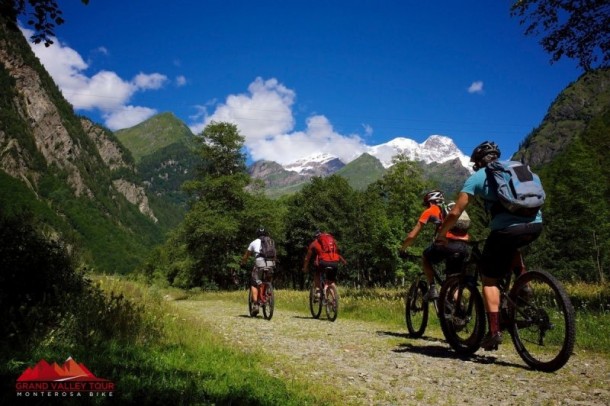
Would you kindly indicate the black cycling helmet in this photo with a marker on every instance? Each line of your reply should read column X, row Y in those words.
column 260, row 232
column 433, row 196
column 484, row 153
column 317, row 233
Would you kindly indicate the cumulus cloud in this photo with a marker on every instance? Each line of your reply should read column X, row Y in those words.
column 265, row 118
column 476, row 87
column 127, row 116
column 104, row 91
column 180, row 81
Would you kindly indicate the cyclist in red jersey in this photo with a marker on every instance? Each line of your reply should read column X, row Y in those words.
column 322, row 260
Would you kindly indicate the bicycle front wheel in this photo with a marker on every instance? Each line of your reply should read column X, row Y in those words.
column 416, row 309
column 269, row 304
column 332, row 303
column 315, row 303
column 462, row 315
column 542, row 321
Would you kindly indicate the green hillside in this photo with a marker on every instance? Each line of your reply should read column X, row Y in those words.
column 362, row 171
column 567, row 118
column 153, row 134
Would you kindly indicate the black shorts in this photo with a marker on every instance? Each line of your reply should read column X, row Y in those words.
column 454, row 254
column 330, row 269
column 501, row 246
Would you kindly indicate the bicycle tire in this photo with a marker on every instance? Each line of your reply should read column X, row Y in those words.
column 314, row 306
column 416, row 309
column 541, row 321
column 250, row 303
column 463, row 323
column 269, row 304
column 332, row 303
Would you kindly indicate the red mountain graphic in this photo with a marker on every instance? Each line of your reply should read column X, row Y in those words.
column 69, row 371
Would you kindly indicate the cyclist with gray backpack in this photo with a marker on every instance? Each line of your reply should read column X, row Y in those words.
column 263, row 249
column 513, row 196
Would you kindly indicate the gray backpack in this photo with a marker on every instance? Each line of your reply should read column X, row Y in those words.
column 519, row 189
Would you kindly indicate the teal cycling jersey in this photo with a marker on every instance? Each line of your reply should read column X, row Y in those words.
column 477, row 185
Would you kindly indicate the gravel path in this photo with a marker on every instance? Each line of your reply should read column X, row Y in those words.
column 370, row 364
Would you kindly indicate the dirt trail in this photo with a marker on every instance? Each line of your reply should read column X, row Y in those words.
column 370, row 364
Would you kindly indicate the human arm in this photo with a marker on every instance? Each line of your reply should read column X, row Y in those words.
column 245, row 257
column 307, row 258
column 412, row 236
column 461, row 203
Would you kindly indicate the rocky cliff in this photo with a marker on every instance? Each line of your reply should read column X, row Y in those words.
column 39, row 131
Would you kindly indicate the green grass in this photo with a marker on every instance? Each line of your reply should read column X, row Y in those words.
column 192, row 364
column 174, row 360
column 177, row 359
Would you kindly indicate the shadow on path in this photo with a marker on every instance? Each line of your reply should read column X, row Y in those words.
column 444, row 351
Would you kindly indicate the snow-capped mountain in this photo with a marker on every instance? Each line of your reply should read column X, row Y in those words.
column 316, row 165
column 436, row 149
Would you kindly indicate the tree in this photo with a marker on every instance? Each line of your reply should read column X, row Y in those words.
column 209, row 241
column 577, row 29
column 43, row 15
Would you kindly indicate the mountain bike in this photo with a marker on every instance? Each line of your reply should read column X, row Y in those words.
column 328, row 297
column 266, row 294
column 416, row 308
column 535, row 310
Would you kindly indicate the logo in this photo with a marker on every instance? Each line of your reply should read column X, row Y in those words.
column 68, row 380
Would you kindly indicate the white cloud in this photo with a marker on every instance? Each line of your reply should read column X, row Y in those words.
column 149, row 81
column 180, row 81
column 368, row 129
column 264, row 117
column 476, row 87
column 104, row 91
column 127, row 116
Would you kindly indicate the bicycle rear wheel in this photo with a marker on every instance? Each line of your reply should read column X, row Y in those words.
column 416, row 309
column 332, row 303
column 250, row 302
column 269, row 304
column 542, row 321
column 462, row 315
column 315, row 304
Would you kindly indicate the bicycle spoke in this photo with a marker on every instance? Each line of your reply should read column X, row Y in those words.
column 543, row 323
column 416, row 309
column 462, row 316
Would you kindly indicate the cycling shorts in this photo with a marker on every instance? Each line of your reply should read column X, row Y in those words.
column 330, row 268
column 454, row 254
column 258, row 275
column 501, row 246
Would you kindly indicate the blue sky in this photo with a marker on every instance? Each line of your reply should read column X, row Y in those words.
column 299, row 77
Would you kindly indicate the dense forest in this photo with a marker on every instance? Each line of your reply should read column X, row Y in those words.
column 370, row 224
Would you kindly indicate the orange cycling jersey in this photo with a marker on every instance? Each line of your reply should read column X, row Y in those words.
column 434, row 214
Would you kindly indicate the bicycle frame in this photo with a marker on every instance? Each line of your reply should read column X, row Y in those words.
column 266, row 295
